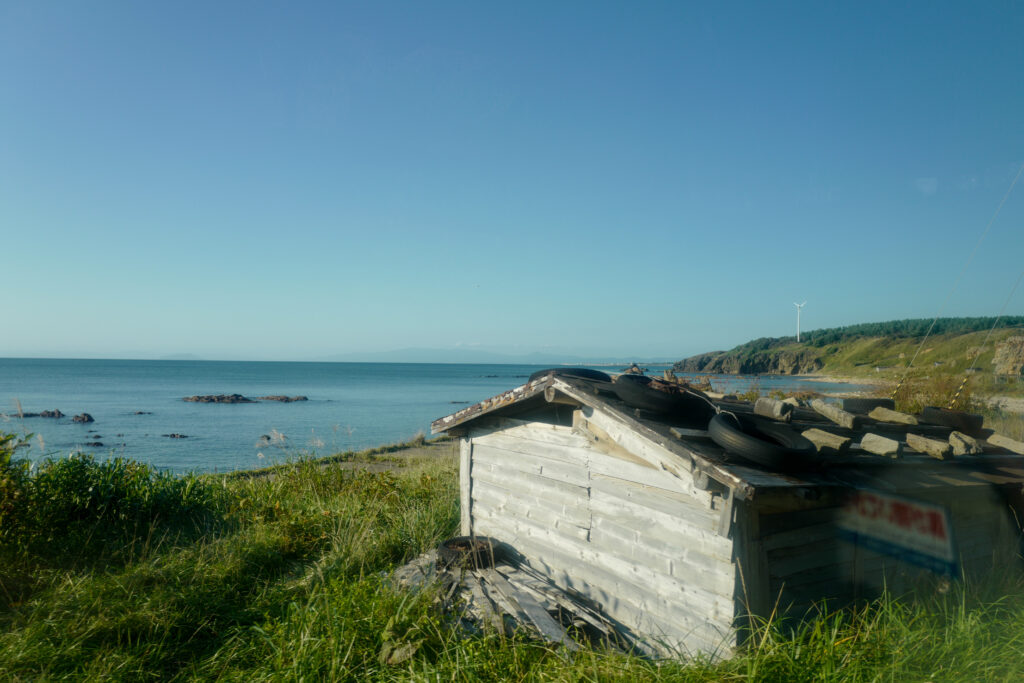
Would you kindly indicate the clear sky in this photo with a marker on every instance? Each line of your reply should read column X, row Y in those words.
column 266, row 180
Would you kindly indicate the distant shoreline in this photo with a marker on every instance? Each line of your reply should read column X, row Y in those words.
column 843, row 379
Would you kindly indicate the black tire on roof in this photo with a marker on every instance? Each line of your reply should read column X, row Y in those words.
column 866, row 405
column 685, row 405
column 764, row 442
column 634, row 392
column 968, row 423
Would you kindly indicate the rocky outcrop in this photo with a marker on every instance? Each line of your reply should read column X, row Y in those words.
column 218, row 398
column 1009, row 357
column 46, row 413
column 84, row 418
column 175, row 435
column 796, row 363
column 238, row 398
column 784, row 362
column 702, row 363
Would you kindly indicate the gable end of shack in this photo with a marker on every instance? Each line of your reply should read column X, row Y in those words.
column 598, row 516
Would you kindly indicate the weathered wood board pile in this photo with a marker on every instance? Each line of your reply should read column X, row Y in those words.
column 508, row 596
column 679, row 539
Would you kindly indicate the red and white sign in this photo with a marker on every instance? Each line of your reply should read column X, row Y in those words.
column 913, row 530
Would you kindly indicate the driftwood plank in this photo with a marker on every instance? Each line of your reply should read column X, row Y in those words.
column 488, row 612
column 836, row 414
column 773, row 408
column 879, row 445
column 684, row 433
column 538, row 586
column 827, row 443
column 937, row 449
column 893, row 416
column 547, row 626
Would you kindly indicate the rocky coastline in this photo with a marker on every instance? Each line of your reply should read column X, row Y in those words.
column 804, row 362
column 239, row 398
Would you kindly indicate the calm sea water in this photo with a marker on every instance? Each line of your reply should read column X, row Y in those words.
column 351, row 406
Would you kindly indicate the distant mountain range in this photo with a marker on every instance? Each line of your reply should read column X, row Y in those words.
column 480, row 356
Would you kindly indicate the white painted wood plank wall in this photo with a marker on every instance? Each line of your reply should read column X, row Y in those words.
column 639, row 540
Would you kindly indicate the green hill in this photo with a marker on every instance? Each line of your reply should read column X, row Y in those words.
column 954, row 346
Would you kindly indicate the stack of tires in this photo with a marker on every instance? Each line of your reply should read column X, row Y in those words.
column 770, row 444
column 682, row 404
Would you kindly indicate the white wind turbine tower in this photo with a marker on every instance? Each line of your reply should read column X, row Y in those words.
column 798, row 308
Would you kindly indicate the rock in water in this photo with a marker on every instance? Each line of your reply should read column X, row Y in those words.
column 218, row 398
column 84, row 418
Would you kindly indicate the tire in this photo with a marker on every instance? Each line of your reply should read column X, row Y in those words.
column 864, row 406
column 687, row 406
column 471, row 552
column 634, row 392
column 766, row 443
column 968, row 423
column 581, row 373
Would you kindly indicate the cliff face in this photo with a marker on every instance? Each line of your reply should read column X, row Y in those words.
column 1009, row 357
column 783, row 362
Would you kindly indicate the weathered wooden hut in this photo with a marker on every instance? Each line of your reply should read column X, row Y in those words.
column 681, row 540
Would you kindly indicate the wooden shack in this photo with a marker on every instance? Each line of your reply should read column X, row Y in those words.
column 680, row 541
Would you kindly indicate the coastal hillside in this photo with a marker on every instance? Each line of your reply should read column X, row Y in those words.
column 954, row 346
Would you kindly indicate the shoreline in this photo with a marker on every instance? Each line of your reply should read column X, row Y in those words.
column 844, row 379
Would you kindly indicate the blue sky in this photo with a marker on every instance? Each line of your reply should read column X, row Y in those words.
column 291, row 182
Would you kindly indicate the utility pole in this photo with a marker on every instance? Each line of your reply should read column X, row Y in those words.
column 798, row 307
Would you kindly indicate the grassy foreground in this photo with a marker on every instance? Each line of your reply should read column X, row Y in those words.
column 109, row 571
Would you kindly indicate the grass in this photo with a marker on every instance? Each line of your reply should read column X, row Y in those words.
column 284, row 577
column 944, row 357
column 886, row 358
column 918, row 391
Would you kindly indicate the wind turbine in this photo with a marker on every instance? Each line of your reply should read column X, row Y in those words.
column 798, row 307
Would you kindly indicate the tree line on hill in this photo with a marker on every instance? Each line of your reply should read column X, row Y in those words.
column 899, row 329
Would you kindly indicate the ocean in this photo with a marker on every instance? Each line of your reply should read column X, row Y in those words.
column 351, row 406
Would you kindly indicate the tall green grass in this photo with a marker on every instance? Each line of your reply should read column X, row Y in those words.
column 79, row 509
column 287, row 579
